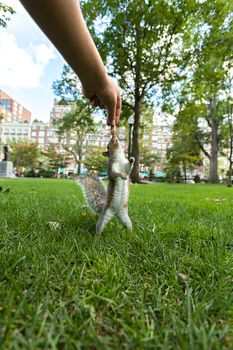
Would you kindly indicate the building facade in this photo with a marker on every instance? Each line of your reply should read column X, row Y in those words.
column 12, row 111
column 44, row 134
column 58, row 111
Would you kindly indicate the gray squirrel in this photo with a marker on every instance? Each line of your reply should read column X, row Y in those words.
column 114, row 201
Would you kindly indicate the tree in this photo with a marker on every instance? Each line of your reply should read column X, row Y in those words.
column 139, row 45
column 208, row 46
column 24, row 154
column 95, row 161
column 230, row 144
column 230, row 138
column 74, row 126
column 5, row 11
column 185, row 150
column 147, row 158
column 227, row 127
column 56, row 159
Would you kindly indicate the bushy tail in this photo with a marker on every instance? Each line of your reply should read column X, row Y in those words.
column 94, row 191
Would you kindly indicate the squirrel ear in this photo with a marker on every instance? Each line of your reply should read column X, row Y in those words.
column 105, row 154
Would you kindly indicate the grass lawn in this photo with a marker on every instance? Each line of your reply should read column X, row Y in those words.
column 168, row 284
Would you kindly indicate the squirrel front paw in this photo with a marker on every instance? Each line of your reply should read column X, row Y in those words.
column 124, row 176
column 131, row 159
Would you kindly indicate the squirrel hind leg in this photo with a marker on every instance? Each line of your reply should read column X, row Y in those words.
column 104, row 218
column 125, row 219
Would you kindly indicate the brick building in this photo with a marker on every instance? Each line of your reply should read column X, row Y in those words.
column 43, row 134
column 58, row 111
column 12, row 111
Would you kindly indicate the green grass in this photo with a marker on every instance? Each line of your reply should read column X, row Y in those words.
column 168, row 284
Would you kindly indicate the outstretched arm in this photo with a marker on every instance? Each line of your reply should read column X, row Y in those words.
column 62, row 21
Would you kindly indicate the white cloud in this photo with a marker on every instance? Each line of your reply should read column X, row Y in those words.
column 22, row 67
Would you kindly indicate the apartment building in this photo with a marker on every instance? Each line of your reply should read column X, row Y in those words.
column 12, row 111
column 14, row 131
column 44, row 134
column 58, row 111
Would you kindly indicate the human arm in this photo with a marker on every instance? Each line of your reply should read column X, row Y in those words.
column 62, row 21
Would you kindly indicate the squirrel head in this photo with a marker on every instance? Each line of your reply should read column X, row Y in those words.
column 114, row 147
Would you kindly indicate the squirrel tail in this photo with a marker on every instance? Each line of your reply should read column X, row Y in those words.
column 94, row 191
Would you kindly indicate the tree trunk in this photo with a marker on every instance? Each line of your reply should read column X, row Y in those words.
column 213, row 167
column 230, row 124
column 135, row 152
column 137, row 108
column 229, row 182
column 185, row 171
column 80, row 156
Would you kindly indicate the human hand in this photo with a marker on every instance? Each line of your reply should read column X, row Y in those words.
column 106, row 94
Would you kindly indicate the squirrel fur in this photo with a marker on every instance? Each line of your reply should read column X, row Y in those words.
column 114, row 200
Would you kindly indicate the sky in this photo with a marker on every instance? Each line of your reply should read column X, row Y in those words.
column 29, row 63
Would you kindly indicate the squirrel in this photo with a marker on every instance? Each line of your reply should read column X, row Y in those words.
column 114, row 201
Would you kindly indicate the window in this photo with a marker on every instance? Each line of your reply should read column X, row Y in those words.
column 51, row 140
column 34, row 133
column 41, row 140
column 41, row 133
column 50, row 133
column 5, row 103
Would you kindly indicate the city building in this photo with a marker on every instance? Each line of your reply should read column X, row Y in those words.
column 43, row 134
column 14, row 132
column 58, row 111
column 12, row 111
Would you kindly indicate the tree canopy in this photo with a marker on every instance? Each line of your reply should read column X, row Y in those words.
column 5, row 12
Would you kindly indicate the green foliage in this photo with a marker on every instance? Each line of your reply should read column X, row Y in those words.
column 147, row 158
column 207, row 57
column 139, row 42
column 5, row 12
column 78, row 120
column 185, row 149
column 68, row 86
column 56, row 159
column 75, row 126
column 24, row 154
column 35, row 121
column 94, row 160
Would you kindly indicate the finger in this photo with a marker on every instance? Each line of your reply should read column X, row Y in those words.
column 111, row 113
column 118, row 108
column 95, row 102
column 101, row 105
